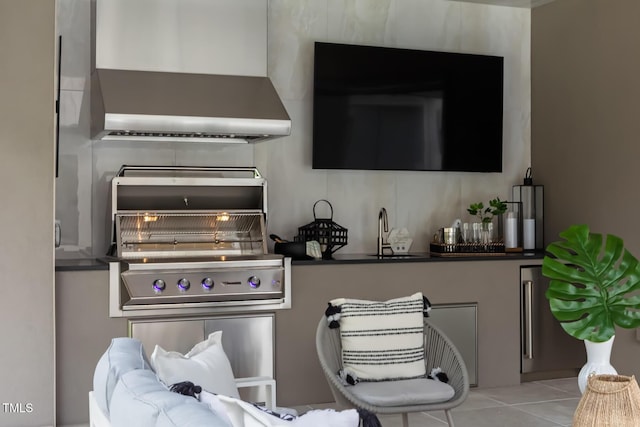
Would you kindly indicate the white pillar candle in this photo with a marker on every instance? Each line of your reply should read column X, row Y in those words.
column 529, row 241
column 511, row 231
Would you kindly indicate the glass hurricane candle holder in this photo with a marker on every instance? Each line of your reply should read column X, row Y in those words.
column 532, row 199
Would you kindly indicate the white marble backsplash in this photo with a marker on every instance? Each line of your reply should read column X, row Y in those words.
column 419, row 201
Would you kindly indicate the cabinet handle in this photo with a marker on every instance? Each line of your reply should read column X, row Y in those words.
column 57, row 140
column 528, row 318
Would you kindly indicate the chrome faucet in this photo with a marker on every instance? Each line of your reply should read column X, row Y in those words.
column 383, row 227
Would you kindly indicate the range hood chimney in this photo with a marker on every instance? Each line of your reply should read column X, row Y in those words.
column 183, row 70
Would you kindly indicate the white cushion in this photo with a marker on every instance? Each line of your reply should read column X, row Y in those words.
column 141, row 400
column 403, row 392
column 383, row 340
column 138, row 398
column 123, row 355
column 191, row 414
column 245, row 414
column 205, row 365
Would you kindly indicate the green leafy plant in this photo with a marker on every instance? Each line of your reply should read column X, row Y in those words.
column 496, row 207
column 591, row 280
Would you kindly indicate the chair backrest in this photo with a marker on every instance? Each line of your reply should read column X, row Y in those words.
column 328, row 346
column 329, row 349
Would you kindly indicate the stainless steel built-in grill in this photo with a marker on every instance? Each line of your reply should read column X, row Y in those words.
column 192, row 240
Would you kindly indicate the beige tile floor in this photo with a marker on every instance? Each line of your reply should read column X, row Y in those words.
column 548, row 403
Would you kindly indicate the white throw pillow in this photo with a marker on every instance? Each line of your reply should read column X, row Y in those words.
column 383, row 340
column 205, row 365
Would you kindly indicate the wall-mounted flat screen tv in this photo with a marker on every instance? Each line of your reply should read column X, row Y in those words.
column 379, row 108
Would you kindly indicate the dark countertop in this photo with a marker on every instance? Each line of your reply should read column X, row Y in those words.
column 82, row 264
column 418, row 257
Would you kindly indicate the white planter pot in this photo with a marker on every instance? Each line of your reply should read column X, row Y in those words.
column 598, row 356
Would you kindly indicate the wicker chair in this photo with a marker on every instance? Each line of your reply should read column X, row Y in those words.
column 439, row 352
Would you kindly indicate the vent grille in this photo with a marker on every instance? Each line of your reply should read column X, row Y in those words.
column 183, row 136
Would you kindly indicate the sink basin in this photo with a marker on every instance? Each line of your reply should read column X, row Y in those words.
column 397, row 256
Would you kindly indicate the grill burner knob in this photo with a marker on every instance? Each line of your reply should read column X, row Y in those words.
column 184, row 284
column 159, row 285
column 254, row 281
column 207, row 283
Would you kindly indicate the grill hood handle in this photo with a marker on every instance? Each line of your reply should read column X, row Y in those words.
column 133, row 168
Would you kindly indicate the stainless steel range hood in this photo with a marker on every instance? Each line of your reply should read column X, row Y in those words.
column 160, row 106
column 183, row 70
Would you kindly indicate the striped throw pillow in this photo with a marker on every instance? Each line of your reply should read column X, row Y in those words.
column 383, row 340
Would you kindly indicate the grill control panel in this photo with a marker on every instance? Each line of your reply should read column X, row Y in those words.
column 161, row 286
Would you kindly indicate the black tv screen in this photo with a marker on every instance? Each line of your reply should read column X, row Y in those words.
column 378, row 108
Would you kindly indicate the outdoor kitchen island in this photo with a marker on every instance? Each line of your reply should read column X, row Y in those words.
column 493, row 283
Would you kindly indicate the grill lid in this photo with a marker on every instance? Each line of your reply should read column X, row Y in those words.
column 178, row 212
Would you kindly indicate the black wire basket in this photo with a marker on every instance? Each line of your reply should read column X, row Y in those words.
column 325, row 231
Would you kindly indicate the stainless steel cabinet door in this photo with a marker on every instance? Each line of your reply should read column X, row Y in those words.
column 248, row 341
column 547, row 350
column 459, row 323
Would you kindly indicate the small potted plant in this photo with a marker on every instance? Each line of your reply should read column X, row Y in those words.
column 485, row 215
column 591, row 280
column 496, row 207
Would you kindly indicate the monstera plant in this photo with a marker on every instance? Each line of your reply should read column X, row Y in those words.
column 593, row 284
